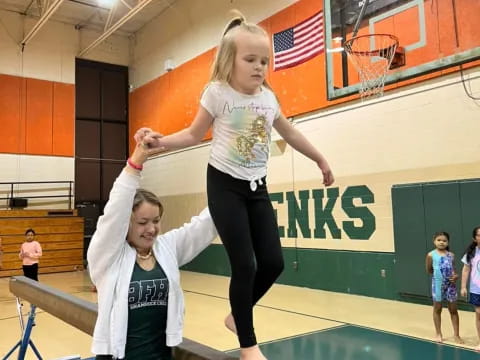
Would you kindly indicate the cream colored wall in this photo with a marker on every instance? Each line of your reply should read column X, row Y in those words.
column 36, row 168
column 426, row 132
column 114, row 50
column 187, row 29
column 179, row 181
column 50, row 54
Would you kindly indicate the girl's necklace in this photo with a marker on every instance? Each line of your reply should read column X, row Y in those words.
column 145, row 257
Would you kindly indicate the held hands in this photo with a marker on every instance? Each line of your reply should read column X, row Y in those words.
column 149, row 137
column 145, row 146
column 141, row 133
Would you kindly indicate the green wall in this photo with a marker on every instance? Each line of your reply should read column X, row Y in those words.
column 341, row 271
column 419, row 210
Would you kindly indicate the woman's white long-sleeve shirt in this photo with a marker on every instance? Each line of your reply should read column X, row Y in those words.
column 111, row 261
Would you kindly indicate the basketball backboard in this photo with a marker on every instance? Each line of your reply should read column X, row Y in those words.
column 434, row 34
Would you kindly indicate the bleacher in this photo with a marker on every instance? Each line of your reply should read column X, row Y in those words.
column 59, row 232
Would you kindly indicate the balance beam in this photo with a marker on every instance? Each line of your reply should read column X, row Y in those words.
column 82, row 315
column 77, row 312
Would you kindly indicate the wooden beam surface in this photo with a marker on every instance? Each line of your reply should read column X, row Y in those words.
column 77, row 312
column 82, row 314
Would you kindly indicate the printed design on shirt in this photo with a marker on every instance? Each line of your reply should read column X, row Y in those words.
column 249, row 125
column 256, row 135
column 148, row 293
column 446, row 268
column 229, row 108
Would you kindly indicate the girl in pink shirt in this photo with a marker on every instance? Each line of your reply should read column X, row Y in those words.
column 30, row 252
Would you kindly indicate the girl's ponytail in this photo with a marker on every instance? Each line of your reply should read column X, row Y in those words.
column 470, row 252
column 232, row 24
column 238, row 20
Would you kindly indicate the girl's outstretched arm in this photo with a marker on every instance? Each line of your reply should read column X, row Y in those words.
column 300, row 143
column 183, row 138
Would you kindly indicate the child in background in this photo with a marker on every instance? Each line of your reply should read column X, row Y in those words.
column 471, row 263
column 30, row 252
column 242, row 109
column 440, row 263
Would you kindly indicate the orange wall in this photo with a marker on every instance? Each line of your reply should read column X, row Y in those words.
column 11, row 120
column 169, row 103
column 36, row 116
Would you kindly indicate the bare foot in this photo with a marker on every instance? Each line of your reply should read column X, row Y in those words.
column 251, row 353
column 458, row 340
column 230, row 323
column 439, row 338
column 477, row 348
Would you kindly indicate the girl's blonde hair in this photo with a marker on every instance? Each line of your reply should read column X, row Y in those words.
column 223, row 65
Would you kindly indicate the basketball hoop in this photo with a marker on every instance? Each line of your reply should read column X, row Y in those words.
column 372, row 56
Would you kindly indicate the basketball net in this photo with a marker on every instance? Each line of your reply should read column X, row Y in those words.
column 372, row 56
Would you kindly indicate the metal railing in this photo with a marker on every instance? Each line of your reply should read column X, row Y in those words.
column 18, row 193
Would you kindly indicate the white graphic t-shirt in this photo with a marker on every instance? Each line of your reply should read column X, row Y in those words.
column 474, row 271
column 242, row 128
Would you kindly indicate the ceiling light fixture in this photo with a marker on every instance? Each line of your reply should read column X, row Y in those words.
column 106, row 3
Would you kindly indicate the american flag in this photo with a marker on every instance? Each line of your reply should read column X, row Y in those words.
column 299, row 43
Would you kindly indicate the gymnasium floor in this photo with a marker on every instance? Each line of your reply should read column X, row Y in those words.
column 291, row 323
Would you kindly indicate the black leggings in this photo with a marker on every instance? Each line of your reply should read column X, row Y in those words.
column 31, row 271
column 247, row 226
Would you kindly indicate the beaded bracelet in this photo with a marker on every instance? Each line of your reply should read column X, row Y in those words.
column 134, row 166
